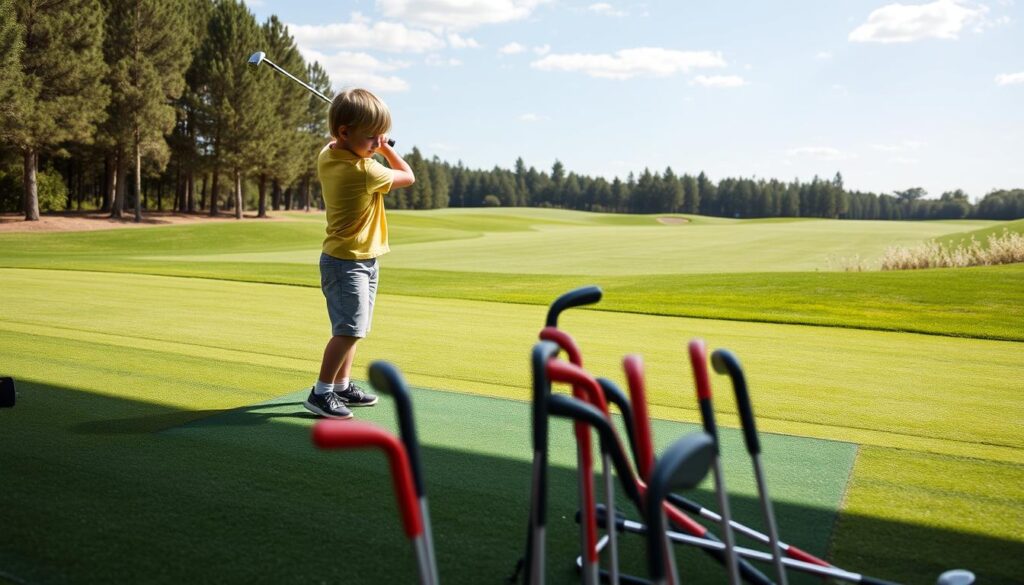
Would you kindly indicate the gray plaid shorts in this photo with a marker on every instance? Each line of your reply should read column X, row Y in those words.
column 350, row 288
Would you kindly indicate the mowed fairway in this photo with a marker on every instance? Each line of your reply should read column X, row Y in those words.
column 159, row 435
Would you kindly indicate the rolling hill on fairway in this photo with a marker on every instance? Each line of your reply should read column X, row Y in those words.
column 161, row 373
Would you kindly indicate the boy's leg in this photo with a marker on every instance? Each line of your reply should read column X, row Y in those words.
column 322, row 400
column 338, row 356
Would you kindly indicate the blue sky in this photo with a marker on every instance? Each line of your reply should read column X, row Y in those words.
column 892, row 95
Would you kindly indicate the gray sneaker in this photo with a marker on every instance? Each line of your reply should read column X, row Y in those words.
column 327, row 404
column 355, row 396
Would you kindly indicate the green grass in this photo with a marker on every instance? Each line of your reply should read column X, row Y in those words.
column 982, row 234
column 143, row 425
column 982, row 302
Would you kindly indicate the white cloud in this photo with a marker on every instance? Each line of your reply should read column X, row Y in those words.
column 530, row 117
column 348, row 69
column 1010, row 78
column 512, row 48
column 457, row 14
column 359, row 33
column 606, row 9
column 435, row 60
column 823, row 55
column 902, row 160
column 627, row 63
column 819, row 152
column 542, row 49
column 719, row 81
column 459, row 42
column 905, row 146
column 904, row 23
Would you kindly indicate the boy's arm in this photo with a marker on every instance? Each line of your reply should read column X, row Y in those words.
column 402, row 172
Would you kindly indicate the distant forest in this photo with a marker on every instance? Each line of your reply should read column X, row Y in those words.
column 143, row 105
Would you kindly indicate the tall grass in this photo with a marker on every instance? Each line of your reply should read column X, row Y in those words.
column 1006, row 248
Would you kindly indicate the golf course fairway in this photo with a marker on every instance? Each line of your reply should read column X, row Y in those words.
column 159, row 433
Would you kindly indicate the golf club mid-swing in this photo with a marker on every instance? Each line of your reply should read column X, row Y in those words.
column 259, row 57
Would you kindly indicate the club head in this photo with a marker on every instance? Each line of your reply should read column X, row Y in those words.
column 956, row 577
column 256, row 58
column 683, row 466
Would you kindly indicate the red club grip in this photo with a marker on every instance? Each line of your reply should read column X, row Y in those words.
column 564, row 341
column 634, row 368
column 582, row 382
column 699, row 362
column 336, row 434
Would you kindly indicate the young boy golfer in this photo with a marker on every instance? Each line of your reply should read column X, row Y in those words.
column 354, row 185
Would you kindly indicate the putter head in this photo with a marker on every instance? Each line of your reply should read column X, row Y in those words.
column 256, row 58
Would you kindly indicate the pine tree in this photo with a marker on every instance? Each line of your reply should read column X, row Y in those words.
column 235, row 114
column 62, row 73
column 11, row 43
column 148, row 50
column 284, row 155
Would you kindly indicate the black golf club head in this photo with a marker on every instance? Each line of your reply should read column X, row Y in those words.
column 8, row 393
column 587, row 295
column 683, row 466
column 386, row 378
column 725, row 362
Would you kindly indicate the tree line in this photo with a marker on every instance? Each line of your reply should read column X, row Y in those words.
column 106, row 103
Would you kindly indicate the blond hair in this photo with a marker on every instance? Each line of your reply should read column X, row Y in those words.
column 359, row 109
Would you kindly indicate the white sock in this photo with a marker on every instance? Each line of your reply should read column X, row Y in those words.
column 321, row 388
column 343, row 385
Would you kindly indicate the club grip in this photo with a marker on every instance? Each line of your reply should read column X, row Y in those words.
column 565, row 341
column 586, row 295
column 725, row 362
column 336, row 434
column 385, row 377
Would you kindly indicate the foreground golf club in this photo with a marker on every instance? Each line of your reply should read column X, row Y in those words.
column 725, row 362
column 644, row 455
column 534, row 560
column 259, row 57
column 683, row 466
column 386, row 378
column 565, row 341
column 699, row 363
column 336, row 434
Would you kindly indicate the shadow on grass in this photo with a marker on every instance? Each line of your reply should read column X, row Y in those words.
column 92, row 494
column 255, row 415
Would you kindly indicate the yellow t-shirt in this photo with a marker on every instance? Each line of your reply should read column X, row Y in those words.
column 354, row 189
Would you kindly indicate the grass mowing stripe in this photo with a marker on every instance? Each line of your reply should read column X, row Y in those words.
column 984, row 302
column 972, row 520
column 802, row 382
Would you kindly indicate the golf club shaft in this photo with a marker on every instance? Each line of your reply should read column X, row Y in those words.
column 312, row 89
column 834, row 572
